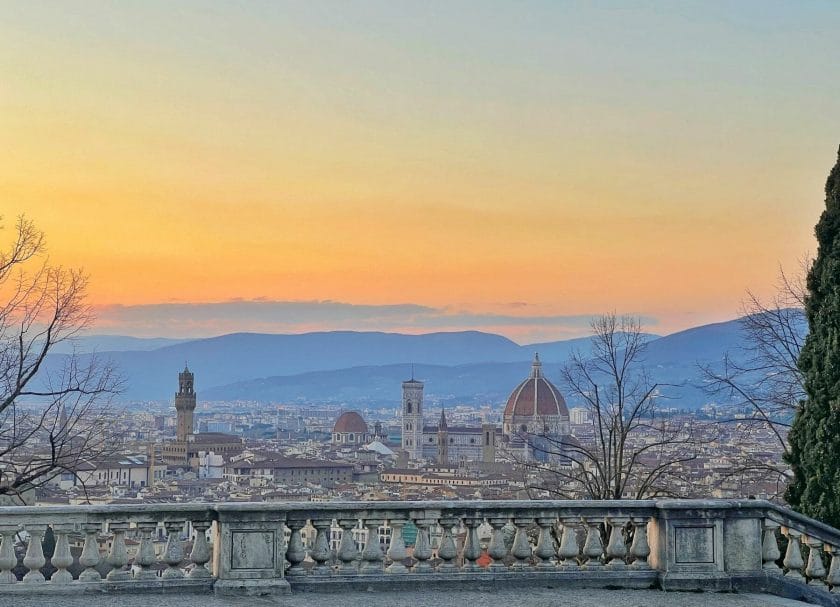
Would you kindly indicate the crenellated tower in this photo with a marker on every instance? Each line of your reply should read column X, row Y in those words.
column 185, row 403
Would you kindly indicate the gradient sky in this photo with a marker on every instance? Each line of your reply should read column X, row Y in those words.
column 512, row 166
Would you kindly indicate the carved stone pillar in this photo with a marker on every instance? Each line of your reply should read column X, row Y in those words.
column 833, row 578
column 793, row 555
column 321, row 552
column 90, row 553
column 372, row 557
column 145, row 557
column 593, row 547
column 61, row 558
column 472, row 547
column 545, row 544
column 200, row 553
column 117, row 556
column 249, row 550
column 770, row 548
column 34, row 558
column 396, row 551
column 521, row 549
column 347, row 554
column 173, row 552
column 295, row 551
column 639, row 547
column 422, row 546
column 616, row 548
column 447, row 551
column 815, row 570
column 8, row 559
column 569, row 549
column 497, row 549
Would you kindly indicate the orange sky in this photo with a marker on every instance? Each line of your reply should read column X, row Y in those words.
column 572, row 163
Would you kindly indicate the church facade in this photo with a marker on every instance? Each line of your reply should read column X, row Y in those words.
column 534, row 420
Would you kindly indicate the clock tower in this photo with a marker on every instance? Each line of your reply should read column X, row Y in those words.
column 185, row 403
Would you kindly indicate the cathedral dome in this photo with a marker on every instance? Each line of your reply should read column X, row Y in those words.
column 536, row 396
column 352, row 422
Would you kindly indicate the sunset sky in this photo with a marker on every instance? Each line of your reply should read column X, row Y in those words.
column 507, row 166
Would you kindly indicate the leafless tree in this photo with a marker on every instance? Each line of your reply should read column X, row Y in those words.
column 633, row 449
column 54, row 412
column 762, row 377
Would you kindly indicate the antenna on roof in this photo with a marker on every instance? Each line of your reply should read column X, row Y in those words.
column 412, row 371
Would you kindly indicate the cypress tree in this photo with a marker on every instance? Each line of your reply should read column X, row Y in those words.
column 815, row 435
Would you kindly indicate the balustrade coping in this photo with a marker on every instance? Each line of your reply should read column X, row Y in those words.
column 211, row 511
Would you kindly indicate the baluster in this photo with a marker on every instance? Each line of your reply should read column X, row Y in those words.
column 545, row 544
column 173, row 552
column 447, row 551
column 639, row 547
column 321, row 552
column 593, row 547
column 200, row 553
column 616, row 548
column 8, row 559
column 770, row 548
column 396, row 551
column 61, row 558
column 793, row 555
column 347, row 551
column 833, row 578
column 118, row 557
column 569, row 548
column 422, row 546
column 472, row 547
column 497, row 549
column 295, row 551
column 372, row 556
column 90, row 553
column 145, row 557
column 521, row 549
column 815, row 570
column 34, row 558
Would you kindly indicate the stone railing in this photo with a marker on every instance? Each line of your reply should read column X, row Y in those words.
column 260, row 547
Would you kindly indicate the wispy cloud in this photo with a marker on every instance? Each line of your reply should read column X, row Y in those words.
column 205, row 319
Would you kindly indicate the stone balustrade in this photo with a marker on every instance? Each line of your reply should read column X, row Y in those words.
column 259, row 547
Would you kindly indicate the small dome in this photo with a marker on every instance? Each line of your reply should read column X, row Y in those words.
column 536, row 393
column 350, row 421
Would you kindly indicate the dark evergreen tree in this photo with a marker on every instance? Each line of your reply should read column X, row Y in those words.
column 815, row 435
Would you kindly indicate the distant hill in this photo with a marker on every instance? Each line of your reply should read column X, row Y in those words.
column 152, row 374
column 114, row 343
column 367, row 367
column 672, row 359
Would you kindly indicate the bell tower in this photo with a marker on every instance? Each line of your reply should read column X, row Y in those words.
column 412, row 417
column 185, row 403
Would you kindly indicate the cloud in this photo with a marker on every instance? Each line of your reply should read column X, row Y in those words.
column 260, row 315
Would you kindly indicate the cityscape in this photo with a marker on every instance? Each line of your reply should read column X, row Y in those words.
column 419, row 302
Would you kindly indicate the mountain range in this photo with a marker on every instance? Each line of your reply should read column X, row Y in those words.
column 367, row 367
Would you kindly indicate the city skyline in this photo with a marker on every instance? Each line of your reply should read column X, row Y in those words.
column 509, row 168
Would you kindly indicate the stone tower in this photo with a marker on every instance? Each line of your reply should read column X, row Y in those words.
column 185, row 403
column 488, row 443
column 412, row 418
column 443, row 440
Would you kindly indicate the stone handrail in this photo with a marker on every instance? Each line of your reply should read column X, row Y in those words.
column 278, row 547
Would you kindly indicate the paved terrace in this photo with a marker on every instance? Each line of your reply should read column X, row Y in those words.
column 748, row 552
column 510, row 598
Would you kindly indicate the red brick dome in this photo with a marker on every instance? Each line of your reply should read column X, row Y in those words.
column 535, row 396
column 352, row 422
